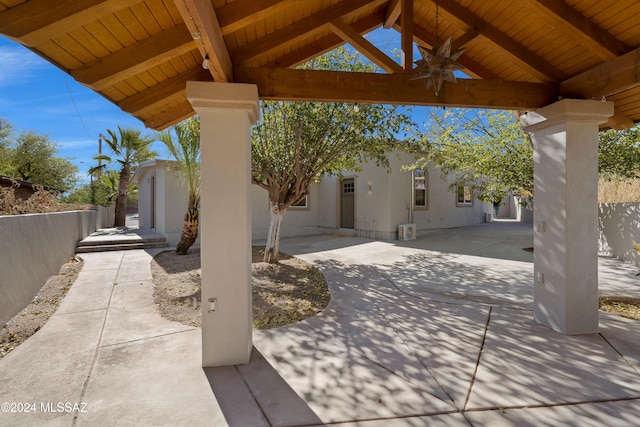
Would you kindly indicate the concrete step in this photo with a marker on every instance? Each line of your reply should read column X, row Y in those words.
column 120, row 245
column 121, row 241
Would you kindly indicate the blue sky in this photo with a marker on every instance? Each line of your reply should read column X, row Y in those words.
column 36, row 96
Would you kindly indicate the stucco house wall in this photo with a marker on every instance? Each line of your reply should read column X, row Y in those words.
column 382, row 201
column 162, row 198
column 298, row 221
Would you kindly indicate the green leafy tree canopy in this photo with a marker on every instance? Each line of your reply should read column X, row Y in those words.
column 33, row 157
column 486, row 149
column 296, row 142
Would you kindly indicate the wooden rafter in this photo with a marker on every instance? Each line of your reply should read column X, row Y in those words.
column 518, row 54
column 201, row 19
column 392, row 13
column 156, row 96
column 36, row 21
column 294, row 33
column 364, row 46
column 467, row 37
column 399, row 88
column 165, row 119
column 135, row 58
column 406, row 34
column 326, row 43
column 569, row 21
column 242, row 13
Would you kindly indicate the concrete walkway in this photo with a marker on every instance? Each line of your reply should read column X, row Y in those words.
column 436, row 331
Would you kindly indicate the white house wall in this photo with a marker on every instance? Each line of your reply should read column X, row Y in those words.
column 176, row 199
column 380, row 209
column 171, row 198
column 382, row 202
column 143, row 179
column 318, row 218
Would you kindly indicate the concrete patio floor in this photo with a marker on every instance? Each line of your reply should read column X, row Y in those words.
column 436, row 331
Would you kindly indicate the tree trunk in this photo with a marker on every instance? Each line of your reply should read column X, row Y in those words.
column 189, row 231
column 123, row 195
column 272, row 250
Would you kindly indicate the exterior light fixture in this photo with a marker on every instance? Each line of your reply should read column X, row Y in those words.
column 206, row 62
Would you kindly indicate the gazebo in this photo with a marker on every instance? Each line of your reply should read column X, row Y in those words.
column 570, row 66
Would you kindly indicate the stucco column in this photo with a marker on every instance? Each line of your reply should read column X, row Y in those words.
column 227, row 112
column 565, row 156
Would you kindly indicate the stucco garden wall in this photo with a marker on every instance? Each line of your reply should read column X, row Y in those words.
column 619, row 224
column 34, row 247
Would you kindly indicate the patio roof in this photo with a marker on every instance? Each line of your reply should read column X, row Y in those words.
column 520, row 54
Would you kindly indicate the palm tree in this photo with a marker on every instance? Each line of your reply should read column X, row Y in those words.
column 130, row 149
column 186, row 150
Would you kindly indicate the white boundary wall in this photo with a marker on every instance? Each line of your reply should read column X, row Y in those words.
column 33, row 248
column 619, row 224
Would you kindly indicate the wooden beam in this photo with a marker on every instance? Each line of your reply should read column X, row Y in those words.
column 619, row 120
column 364, row 46
column 158, row 95
column 406, row 34
column 392, row 13
column 467, row 37
column 36, row 21
column 200, row 18
column 578, row 27
column 293, row 33
column 604, row 80
column 168, row 118
column 135, row 58
column 242, row 13
column 399, row 89
column 325, row 44
column 518, row 54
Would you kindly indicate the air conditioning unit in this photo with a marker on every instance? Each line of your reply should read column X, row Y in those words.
column 406, row 232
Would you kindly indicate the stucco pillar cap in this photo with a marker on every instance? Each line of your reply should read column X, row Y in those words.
column 567, row 110
column 211, row 96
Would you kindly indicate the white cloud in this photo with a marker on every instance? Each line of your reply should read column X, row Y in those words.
column 17, row 65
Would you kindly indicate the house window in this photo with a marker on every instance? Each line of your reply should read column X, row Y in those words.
column 302, row 204
column 420, row 188
column 464, row 195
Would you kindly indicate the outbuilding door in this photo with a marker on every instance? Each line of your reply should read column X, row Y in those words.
column 152, row 202
column 347, row 203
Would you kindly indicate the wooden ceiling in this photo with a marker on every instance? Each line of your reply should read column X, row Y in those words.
column 519, row 54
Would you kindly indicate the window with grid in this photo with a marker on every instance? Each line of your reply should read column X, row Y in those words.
column 420, row 185
column 464, row 195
